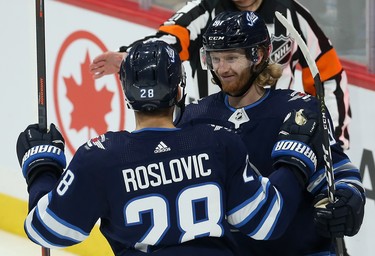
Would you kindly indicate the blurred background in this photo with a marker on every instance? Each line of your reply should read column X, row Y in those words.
column 79, row 30
column 343, row 21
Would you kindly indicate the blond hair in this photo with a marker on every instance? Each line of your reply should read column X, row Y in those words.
column 269, row 72
column 270, row 75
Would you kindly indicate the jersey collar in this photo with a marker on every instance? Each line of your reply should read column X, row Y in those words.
column 265, row 96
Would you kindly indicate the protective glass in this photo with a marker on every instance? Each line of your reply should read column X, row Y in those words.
column 203, row 58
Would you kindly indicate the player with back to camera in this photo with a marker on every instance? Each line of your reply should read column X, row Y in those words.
column 236, row 48
column 161, row 189
column 184, row 31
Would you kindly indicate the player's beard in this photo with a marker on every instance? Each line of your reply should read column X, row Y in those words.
column 234, row 84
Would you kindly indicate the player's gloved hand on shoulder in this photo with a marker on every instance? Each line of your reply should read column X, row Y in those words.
column 343, row 217
column 40, row 151
column 296, row 143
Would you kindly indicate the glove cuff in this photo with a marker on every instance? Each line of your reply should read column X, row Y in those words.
column 38, row 169
column 40, row 153
column 297, row 150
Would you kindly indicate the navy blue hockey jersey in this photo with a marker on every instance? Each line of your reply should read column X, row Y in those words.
column 258, row 125
column 166, row 191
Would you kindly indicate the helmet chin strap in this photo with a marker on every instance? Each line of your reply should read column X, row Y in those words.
column 249, row 83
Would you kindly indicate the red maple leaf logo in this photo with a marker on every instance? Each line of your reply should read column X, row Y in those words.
column 90, row 106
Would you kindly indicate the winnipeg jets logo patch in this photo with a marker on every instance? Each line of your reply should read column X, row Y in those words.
column 299, row 95
column 219, row 127
column 161, row 147
column 98, row 142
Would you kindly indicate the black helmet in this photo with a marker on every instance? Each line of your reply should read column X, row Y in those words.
column 150, row 76
column 233, row 30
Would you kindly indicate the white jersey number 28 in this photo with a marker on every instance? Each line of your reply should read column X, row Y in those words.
column 158, row 206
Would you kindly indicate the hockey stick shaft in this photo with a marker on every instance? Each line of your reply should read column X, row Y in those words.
column 323, row 117
column 46, row 251
column 41, row 65
column 41, row 75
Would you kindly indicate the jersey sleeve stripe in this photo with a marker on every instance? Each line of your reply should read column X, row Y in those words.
column 60, row 231
column 243, row 213
column 33, row 234
column 239, row 217
column 267, row 225
column 344, row 171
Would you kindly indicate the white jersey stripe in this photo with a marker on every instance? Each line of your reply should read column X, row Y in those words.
column 32, row 232
column 55, row 225
column 251, row 207
column 270, row 220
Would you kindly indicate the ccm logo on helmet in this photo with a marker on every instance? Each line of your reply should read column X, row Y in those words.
column 216, row 38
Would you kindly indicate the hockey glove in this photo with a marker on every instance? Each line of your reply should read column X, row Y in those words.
column 344, row 217
column 40, row 152
column 294, row 143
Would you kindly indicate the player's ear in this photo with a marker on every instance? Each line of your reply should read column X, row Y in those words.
column 260, row 55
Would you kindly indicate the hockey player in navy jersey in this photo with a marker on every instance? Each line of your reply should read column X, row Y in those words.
column 236, row 50
column 185, row 28
column 161, row 189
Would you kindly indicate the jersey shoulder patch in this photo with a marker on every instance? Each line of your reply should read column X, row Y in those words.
column 96, row 142
column 295, row 95
column 220, row 127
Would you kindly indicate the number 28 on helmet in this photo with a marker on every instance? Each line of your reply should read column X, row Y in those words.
column 150, row 76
